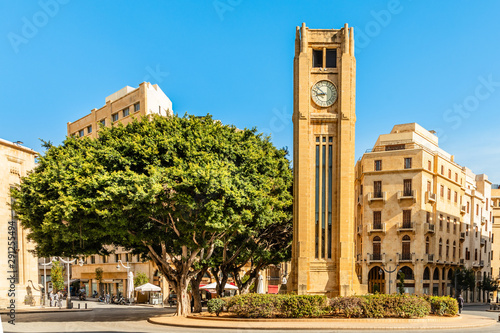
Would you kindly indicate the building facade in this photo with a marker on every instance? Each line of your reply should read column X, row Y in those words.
column 323, row 257
column 122, row 107
column 18, row 277
column 420, row 213
column 495, row 245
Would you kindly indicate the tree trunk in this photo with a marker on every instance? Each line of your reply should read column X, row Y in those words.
column 195, row 287
column 183, row 301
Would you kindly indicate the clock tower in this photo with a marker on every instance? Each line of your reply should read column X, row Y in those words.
column 323, row 252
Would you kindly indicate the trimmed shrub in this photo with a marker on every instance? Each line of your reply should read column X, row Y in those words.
column 380, row 306
column 443, row 305
column 271, row 305
column 216, row 305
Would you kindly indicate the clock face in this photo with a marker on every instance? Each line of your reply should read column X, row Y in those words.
column 324, row 93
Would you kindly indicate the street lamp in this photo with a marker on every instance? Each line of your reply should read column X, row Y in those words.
column 44, row 293
column 128, row 277
column 68, row 262
column 389, row 271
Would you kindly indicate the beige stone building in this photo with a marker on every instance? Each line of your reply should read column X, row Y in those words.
column 419, row 212
column 120, row 107
column 495, row 249
column 16, row 260
column 323, row 257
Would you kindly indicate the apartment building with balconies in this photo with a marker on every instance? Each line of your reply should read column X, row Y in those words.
column 495, row 245
column 420, row 213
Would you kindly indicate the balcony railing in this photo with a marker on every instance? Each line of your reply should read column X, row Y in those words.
column 406, row 226
column 429, row 228
column 402, row 195
column 377, row 196
column 375, row 257
column 377, row 227
column 405, row 256
column 462, row 236
column 431, row 197
column 430, row 258
column 463, row 209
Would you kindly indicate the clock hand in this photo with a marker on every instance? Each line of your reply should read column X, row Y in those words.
column 320, row 92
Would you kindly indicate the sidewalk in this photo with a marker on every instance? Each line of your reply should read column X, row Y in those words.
column 431, row 323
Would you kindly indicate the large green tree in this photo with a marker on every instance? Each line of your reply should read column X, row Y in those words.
column 169, row 188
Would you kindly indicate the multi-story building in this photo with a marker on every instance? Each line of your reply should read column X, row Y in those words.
column 495, row 246
column 122, row 107
column 420, row 213
column 18, row 266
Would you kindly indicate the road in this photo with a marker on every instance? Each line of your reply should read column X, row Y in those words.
column 120, row 318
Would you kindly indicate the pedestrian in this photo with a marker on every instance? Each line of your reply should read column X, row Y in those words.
column 460, row 301
column 107, row 298
column 51, row 298
column 59, row 299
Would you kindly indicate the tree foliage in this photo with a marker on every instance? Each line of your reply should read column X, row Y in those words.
column 140, row 279
column 465, row 278
column 169, row 188
column 56, row 276
column 488, row 284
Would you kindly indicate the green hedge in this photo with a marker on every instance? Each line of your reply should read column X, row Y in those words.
column 442, row 305
column 271, row 305
column 380, row 306
column 216, row 305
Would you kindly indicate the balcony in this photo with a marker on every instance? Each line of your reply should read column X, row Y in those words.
column 380, row 227
column 481, row 263
column 377, row 196
column 431, row 197
column 405, row 257
column 375, row 257
column 483, row 220
column 406, row 227
column 483, row 242
column 462, row 261
column 463, row 209
column 404, row 195
column 430, row 258
column 429, row 228
column 462, row 236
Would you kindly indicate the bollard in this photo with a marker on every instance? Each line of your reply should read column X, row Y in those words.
column 78, row 305
column 85, row 306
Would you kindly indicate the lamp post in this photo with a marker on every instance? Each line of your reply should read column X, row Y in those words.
column 389, row 271
column 128, row 268
column 44, row 293
column 68, row 262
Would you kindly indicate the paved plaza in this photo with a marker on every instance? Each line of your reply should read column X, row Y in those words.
column 116, row 318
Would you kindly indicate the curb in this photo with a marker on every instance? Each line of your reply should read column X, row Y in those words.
column 22, row 311
column 466, row 322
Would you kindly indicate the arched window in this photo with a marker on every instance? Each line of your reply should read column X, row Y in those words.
column 427, row 273
column 435, row 275
column 443, row 275
column 447, row 248
column 427, row 245
column 376, row 248
column 408, row 272
column 406, row 248
column 440, row 247
column 454, row 249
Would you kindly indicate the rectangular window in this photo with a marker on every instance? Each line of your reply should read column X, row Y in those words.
column 406, row 218
column 92, row 259
column 81, row 133
column 429, row 186
column 442, row 170
column 408, row 163
column 441, row 222
column 449, row 173
column 442, row 191
column 103, row 122
column 115, row 117
column 137, row 107
column 378, row 165
column 377, row 220
column 449, row 194
column 456, row 177
column 331, row 58
column 456, row 197
column 429, row 165
column 89, row 129
column 407, row 188
column 317, row 58
column 125, row 112
column 104, row 259
column 377, row 189
column 468, row 207
column 428, row 217
column 118, row 257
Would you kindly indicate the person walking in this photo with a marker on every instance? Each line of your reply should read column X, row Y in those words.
column 460, row 301
column 59, row 299
column 107, row 298
column 51, row 298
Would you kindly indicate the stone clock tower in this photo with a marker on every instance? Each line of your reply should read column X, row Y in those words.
column 323, row 257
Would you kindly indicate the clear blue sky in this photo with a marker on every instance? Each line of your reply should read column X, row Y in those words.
column 416, row 60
